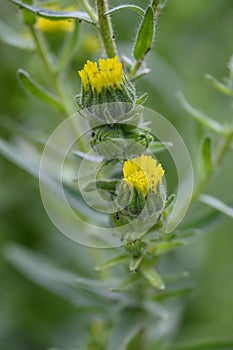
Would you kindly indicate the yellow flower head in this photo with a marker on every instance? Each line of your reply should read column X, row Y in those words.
column 109, row 73
column 143, row 173
column 51, row 26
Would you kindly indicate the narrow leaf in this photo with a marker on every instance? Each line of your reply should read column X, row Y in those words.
column 42, row 271
column 207, row 155
column 90, row 157
column 216, row 204
column 142, row 99
column 134, row 263
column 152, row 276
column 128, row 324
column 54, row 15
column 126, row 6
column 174, row 293
column 109, row 185
column 36, row 90
column 205, row 344
column 226, row 90
column 14, row 38
column 30, row 163
column 199, row 224
column 112, row 262
column 164, row 247
column 145, row 35
column 157, row 147
column 170, row 200
column 200, row 116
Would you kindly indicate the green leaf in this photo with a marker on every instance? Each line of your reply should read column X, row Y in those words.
column 142, row 99
column 199, row 224
column 207, row 155
column 14, row 38
column 145, row 35
column 226, row 90
column 135, row 263
column 87, row 156
column 54, row 15
column 200, row 116
column 36, row 90
column 126, row 6
column 77, row 202
column 128, row 324
column 152, row 276
column 170, row 200
column 42, row 271
column 24, row 156
column 109, row 185
column 216, row 204
column 157, row 147
column 112, row 262
column 164, row 247
column 173, row 293
column 205, row 344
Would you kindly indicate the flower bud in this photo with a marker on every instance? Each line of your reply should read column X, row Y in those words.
column 119, row 141
column 142, row 194
column 106, row 94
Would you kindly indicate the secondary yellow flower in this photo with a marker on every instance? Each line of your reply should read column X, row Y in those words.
column 51, row 26
column 108, row 74
column 143, row 173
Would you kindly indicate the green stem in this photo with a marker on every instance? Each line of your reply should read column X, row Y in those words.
column 222, row 152
column 45, row 57
column 105, row 28
column 86, row 6
column 133, row 72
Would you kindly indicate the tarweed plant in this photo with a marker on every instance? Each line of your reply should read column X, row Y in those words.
column 101, row 179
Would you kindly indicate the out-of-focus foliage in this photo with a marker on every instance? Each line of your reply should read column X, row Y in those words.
column 194, row 38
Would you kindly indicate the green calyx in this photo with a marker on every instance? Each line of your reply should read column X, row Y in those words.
column 119, row 141
column 133, row 203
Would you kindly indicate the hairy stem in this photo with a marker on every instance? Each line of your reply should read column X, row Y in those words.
column 86, row 6
column 105, row 28
column 133, row 72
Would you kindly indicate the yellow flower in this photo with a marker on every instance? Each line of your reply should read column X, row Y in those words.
column 51, row 26
column 143, row 173
column 108, row 74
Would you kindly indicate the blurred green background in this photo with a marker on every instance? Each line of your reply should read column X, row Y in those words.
column 194, row 38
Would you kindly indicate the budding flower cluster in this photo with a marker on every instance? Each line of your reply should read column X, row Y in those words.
column 110, row 101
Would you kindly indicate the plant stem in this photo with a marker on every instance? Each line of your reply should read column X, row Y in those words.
column 223, row 150
column 134, row 70
column 86, row 6
column 45, row 57
column 105, row 28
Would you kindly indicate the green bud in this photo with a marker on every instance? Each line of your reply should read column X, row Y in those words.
column 106, row 94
